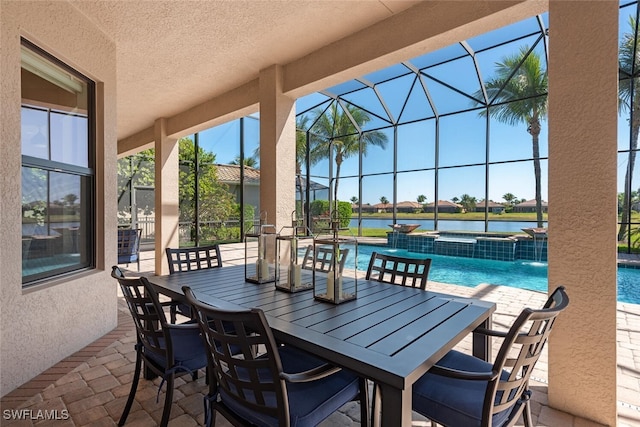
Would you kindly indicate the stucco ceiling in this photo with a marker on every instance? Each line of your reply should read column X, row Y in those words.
column 172, row 55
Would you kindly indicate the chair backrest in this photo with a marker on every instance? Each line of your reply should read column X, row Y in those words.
column 399, row 270
column 128, row 244
column 198, row 258
column 243, row 377
column 519, row 352
column 322, row 258
column 148, row 316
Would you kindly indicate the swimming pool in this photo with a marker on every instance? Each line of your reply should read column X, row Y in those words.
column 471, row 272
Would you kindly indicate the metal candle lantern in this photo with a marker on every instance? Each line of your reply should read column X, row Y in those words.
column 332, row 282
column 264, row 240
column 293, row 272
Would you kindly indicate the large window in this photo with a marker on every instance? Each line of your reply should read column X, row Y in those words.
column 57, row 167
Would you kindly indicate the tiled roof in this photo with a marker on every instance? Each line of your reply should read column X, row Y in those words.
column 531, row 203
column 492, row 204
column 444, row 203
column 409, row 204
column 230, row 174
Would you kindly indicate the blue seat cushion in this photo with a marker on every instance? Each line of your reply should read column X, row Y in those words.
column 309, row 402
column 188, row 350
column 451, row 401
column 122, row 259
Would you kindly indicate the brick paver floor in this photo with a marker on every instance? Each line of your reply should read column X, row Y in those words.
column 90, row 387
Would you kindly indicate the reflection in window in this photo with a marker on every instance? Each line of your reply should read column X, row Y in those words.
column 57, row 174
column 35, row 132
column 69, row 138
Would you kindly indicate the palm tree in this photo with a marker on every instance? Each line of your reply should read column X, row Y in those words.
column 251, row 161
column 468, row 202
column 335, row 128
column 509, row 198
column 517, row 94
column 421, row 198
column 629, row 93
column 301, row 157
column 354, row 200
column 384, row 200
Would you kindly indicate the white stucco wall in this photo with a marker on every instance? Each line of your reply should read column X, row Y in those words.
column 42, row 325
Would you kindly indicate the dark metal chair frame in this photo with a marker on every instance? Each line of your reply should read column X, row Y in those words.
column 507, row 383
column 250, row 379
column 196, row 258
column 322, row 258
column 399, row 270
column 154, row 340
column 129, row 245
column 189, row 259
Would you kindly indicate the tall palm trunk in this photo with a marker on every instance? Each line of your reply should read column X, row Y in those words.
column 337, row 180
column 635, row 130
column 302, row 194
column 534, row 130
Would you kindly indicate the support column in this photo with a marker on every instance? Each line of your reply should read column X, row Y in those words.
column 277, row 149
column 583, row 101
column 166, row 194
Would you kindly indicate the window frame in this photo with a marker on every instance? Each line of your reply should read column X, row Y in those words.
column 88, row 252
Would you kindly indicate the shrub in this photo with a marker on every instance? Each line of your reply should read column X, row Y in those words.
column 320, row 208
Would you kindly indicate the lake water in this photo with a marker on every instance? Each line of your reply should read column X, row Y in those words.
column 449, row 225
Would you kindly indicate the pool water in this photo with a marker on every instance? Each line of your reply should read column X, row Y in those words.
column 471, row 272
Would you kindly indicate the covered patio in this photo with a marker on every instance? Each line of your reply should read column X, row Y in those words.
column 139, row 55
column 93, row 384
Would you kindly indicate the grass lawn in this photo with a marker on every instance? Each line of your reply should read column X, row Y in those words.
column 469, row 216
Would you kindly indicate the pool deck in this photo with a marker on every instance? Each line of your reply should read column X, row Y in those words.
column 93, row 384
column 632, row 260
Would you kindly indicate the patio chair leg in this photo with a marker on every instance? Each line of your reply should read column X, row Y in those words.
column 209, row 412
column 376, row 406
column 132, row 393
column 526, row 415
column 166, row 411
column 364, row 403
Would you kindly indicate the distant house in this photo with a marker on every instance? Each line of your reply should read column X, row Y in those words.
column 444, row 206
column 366, row 208
column 530, row 206
column 409, row 207
column 383, row 207
column 230, row 175
column 493, row 206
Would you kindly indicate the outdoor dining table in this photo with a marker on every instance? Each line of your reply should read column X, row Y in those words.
column 390, row 334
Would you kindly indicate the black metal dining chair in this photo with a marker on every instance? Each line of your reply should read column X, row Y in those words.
column 254, row 381
column 462, row 390
column 190, row 259
column 129, row 245
column 399, row 270
column 320, row 258
column 166, row 349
